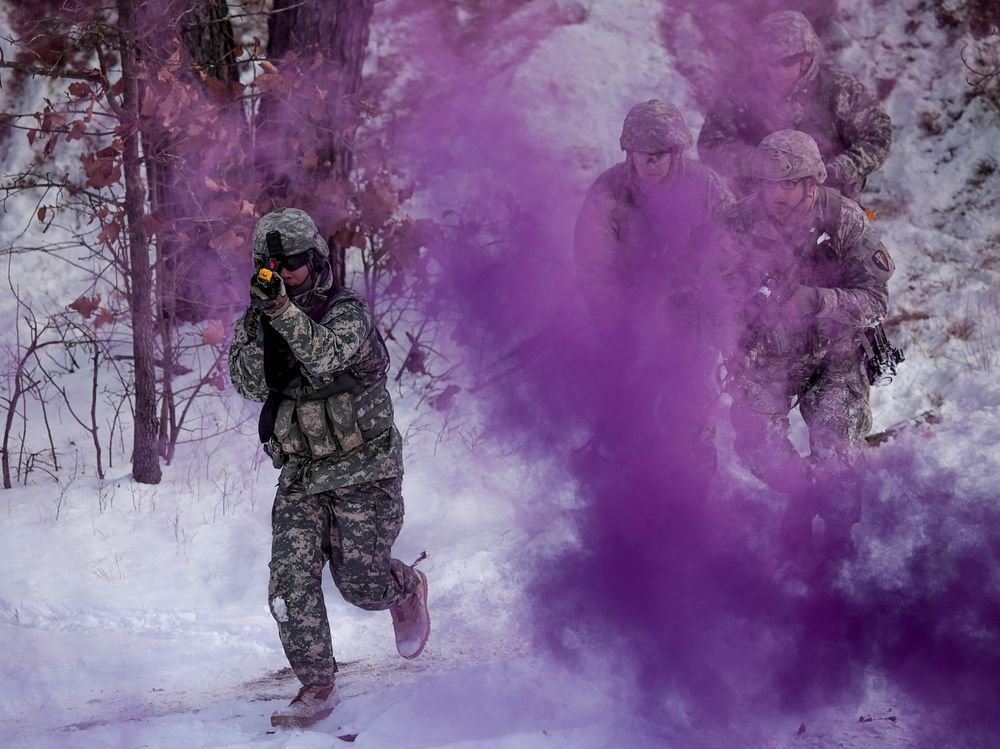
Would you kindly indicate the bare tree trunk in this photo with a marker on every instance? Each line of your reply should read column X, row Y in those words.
column 8, row 425
column 145, row 460
column 207, row 33
column 335, row 33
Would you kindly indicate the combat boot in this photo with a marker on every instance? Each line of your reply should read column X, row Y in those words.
column 311, row 704
column 411, row 620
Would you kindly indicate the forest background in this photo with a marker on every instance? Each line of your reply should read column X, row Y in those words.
column 141, row 141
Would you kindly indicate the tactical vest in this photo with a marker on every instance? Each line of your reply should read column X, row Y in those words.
column 340, row 415
column 660, row 239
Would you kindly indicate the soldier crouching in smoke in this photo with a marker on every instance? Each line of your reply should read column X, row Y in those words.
column 311, row 352
column 810, row 276
column 787, row 86
column 641, row 245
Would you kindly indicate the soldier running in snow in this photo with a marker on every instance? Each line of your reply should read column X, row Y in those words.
column 809, row 276
column 789, row 88
column 309, row 350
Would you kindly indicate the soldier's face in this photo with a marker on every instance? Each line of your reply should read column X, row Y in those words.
column 294, row 270
column 784, row 72
column 783, row 198
column 652, row 167
column 293, row 278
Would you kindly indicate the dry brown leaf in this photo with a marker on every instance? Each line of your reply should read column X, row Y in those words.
column 213, row 333
column 104, row 317
column 85, row 305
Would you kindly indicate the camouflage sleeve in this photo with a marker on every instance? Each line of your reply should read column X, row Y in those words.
column 325, row 348
column 731, row 280
column 595, row 244
column 719, row 143
column 863, row 125
column 863, row 298
column 246, row 358
column 720, row 198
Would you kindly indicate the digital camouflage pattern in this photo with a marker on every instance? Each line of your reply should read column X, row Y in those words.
column 788, row 155
column 655, row 126
column 339, row 491
column 344, row 341
column 634, row 245
column 640, row 249
column 298, row 233
column 353, row 528
column 817, row 360
column 848, row 123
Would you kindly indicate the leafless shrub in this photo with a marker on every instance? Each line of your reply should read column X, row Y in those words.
column 981, row 348
column 109, row 566
column 982, row 62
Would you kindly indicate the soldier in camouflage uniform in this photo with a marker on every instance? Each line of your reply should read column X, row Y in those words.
column 311, row 353
column 645, row 221
column 640, row 246
column 789, row 88
column 809, row 276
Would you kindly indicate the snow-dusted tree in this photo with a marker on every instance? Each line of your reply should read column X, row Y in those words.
column 133, row 197
column 145, row 459
column 176, row 158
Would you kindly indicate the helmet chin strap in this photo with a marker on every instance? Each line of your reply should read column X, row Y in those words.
column 808, row 196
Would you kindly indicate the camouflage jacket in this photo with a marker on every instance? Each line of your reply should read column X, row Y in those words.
column 342, row 347
column 833, row 248
column 634, row 246
column 845, row 119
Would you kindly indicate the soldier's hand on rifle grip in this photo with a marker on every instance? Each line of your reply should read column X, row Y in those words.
column 267, row 292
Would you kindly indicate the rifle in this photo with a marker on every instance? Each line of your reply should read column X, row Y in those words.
column 881, row 357
column 766, row 316
column 267, row 281
column 266, row 278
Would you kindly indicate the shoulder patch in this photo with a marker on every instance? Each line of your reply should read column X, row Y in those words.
column 882, row 260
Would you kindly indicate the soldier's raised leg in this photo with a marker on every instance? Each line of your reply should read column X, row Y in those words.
column 366, row 521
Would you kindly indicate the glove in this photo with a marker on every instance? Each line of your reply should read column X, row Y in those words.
column 271, row 304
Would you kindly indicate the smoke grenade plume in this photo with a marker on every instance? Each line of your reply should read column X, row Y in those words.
column 678, row 573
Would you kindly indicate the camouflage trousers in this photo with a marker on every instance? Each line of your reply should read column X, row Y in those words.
column 353, row 528
column 832, row 395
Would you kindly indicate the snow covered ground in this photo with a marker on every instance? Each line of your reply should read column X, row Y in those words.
column 136, row 616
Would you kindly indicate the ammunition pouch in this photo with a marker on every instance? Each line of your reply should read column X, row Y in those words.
column 331, row 420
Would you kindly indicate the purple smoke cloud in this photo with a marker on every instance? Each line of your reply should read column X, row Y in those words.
column 678, row 576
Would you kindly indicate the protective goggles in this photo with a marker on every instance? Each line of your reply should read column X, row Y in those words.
column 290, row 262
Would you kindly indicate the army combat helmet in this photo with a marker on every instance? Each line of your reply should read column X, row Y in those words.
column 286, row 233
column 788, row 155
column 784, row 36
column 786, row 33
column 655, row 126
